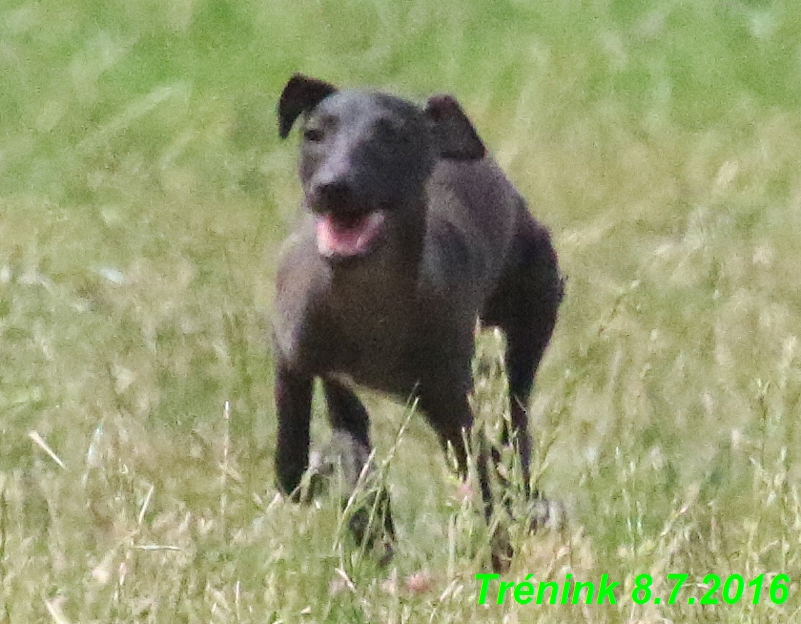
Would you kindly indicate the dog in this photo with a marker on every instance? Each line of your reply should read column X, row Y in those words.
column 411, row 234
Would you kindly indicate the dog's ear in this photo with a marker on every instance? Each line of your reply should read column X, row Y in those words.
column 301, row 94
column 454, row 135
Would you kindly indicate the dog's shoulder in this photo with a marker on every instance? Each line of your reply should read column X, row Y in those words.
column 473, row 211
column 476, row 191
column 301, row 274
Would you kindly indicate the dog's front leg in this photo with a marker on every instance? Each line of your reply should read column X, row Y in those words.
column 293, row 395
column 453, row 422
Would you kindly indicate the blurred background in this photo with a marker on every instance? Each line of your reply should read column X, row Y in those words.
column 143, row 196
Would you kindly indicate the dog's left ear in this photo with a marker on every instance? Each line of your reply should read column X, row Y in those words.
column 300, row 94
column 455, row 136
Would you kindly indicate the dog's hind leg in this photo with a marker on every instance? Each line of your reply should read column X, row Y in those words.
column 524, row 307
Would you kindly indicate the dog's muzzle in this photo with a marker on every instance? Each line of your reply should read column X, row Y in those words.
column 344, row 236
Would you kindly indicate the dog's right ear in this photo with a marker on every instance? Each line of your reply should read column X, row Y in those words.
column 301, row 94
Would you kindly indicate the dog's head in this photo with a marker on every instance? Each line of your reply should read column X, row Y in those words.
column 365, row 158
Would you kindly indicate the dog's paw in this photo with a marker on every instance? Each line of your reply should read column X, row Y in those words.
column 371, row 525
column 546, row 514
column 501, row 550
column 335, row 468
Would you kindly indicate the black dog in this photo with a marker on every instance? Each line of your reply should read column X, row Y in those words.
column 413, row 234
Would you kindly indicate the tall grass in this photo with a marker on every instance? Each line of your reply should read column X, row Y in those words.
column 145, row 192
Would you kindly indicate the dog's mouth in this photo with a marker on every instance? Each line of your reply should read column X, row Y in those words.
column 348, row 236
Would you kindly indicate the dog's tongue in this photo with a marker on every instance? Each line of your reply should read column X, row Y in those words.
column 344, row 237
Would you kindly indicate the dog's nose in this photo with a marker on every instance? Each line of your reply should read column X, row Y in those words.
column 334, row 189
column 331, row 194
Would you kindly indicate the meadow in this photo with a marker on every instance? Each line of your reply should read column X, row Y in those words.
column 143, row 196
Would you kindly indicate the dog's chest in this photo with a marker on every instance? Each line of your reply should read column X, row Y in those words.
column 368, row 337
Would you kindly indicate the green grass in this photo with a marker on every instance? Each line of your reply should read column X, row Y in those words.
column 144, row 196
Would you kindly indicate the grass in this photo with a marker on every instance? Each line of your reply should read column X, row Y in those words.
column 145, row 193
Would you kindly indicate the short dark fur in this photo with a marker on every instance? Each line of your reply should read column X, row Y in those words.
column 457, row 244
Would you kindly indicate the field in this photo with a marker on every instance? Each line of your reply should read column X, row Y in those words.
column 144, row 193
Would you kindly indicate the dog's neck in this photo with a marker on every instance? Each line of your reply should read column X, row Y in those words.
column 410, row 240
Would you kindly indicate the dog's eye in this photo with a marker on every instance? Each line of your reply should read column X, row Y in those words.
column 313, row 135
column 390, row 131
